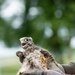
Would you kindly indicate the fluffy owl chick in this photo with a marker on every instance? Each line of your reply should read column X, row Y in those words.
column 34, row 57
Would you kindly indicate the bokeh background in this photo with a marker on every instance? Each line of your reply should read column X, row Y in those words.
column 51, row 24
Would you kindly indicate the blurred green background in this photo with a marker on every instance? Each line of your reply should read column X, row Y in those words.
column 51, row 24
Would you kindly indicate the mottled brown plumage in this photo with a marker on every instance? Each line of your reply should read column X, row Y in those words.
column 36, row 58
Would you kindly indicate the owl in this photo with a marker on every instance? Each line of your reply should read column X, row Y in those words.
column 36, row 58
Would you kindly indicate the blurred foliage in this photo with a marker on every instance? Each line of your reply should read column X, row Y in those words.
column 57, row 16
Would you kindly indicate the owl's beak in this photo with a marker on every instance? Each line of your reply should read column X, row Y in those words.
column 23, row 44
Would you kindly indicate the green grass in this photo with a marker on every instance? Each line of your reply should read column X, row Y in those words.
column 9, row 66
column 10, row 70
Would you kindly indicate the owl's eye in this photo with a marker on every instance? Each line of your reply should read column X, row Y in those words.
column 29, row 39
column 26, row 39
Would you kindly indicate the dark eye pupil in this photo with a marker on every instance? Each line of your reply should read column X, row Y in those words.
column 27, row 39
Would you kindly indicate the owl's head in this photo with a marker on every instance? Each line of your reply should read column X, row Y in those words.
column 26, row 42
